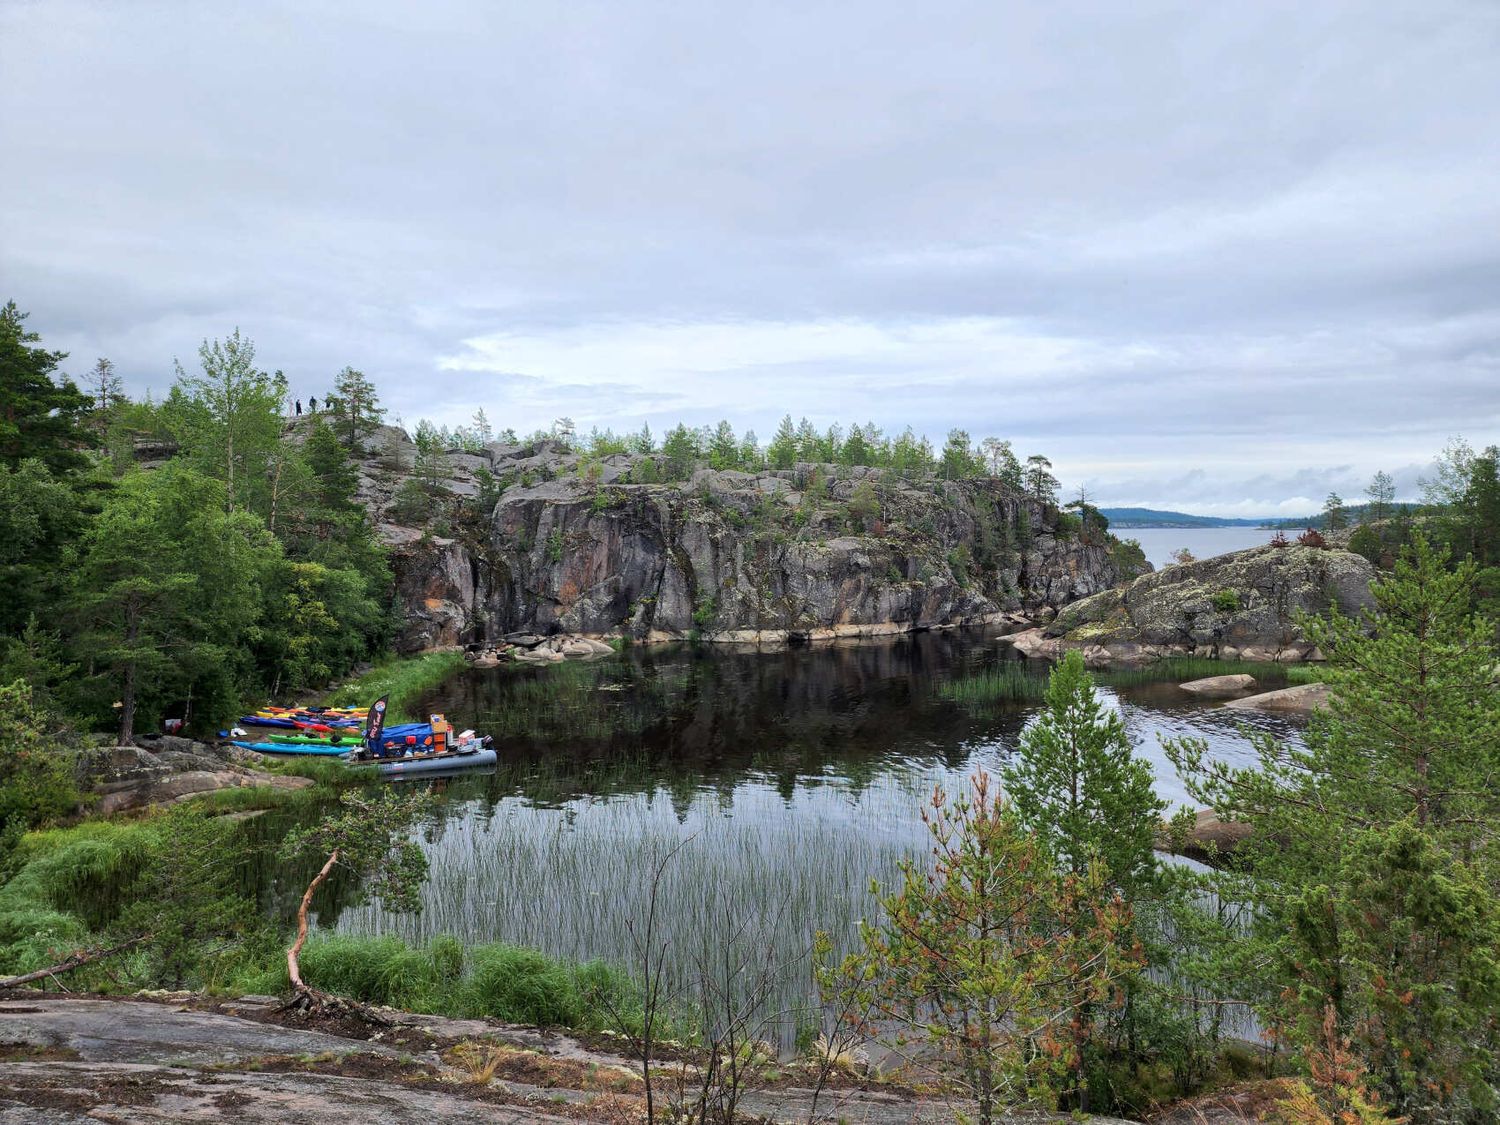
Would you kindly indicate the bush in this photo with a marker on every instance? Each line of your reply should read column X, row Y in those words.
column 1226, row 601
column 1311, row 538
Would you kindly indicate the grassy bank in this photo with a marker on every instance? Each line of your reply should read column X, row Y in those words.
column 71, row 888
column 443, row 977
column 1017, row 682
column 403, row 678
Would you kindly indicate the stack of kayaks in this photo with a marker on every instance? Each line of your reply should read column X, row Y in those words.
column 398, row 749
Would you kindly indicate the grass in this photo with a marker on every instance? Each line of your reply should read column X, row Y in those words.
column 403, row 679
column 1014, row 682
column 1182, row 669
column 440, row 976
column 1011, row 682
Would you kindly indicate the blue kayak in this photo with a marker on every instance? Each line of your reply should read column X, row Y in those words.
column 290, row 748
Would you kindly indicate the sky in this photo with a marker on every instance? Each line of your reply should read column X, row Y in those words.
column 1222, row 258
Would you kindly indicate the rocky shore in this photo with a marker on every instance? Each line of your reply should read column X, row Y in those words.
column 165, row 770
column 1242, row 606
column 180, row 1057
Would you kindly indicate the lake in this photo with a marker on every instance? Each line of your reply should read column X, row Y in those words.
column 1205, row 542
column 785, row 782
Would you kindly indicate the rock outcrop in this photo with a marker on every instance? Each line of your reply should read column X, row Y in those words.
column 166, row 770
column 1243, row 605
column 1300, row 700
column 1219, row 687
column 536, row 539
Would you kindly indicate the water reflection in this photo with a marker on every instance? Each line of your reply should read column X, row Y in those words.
column 796, row 778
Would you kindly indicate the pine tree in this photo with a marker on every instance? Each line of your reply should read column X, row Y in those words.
column 724, row 447
column 40, row 417
column 984, row 956
column 356, row 407
column 1077, row 784
column 1401, row 763
column 1040, row 483
column 782, row 452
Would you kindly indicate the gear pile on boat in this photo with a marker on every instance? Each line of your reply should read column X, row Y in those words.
column 359, row 735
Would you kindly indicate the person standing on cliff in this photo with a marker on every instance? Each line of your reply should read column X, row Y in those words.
column 299, row 408
column 312, row 405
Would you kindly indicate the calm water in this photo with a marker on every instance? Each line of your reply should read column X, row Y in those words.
column 1159, row 543
column 787, row 781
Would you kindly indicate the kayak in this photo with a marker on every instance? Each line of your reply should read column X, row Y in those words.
column 345, row 740
column 289, row 748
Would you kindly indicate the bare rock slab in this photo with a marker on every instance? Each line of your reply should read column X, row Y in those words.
column 1216, row 687
column 1302, row 699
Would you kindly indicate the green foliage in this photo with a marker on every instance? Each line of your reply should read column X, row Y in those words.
column 186, row 896
column 355, row 408
column 1128, row 556
column 40, row 417
column 983, row 957
column 1226, row 601
column 228, row 420
column 36, row 783
column 490, row 981
column 1365, row 858
column 1076, row 784
column 403, row 679
column 40, row 515
column 167, row 583
column 367, row 834
column 681, row 451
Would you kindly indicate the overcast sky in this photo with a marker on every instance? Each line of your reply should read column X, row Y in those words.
column 1218, row 257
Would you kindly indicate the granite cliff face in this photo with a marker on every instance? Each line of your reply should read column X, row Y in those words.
column 534, row 539
column 1243, row 605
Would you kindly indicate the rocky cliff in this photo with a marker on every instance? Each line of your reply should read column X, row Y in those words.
column 537, row 539
column 1243, row 605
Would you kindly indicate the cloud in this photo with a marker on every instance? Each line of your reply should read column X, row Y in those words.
column 1259, row 241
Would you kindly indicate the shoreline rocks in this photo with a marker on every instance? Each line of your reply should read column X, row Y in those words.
column 1300, row 700
column 1240, row 606
column 529, row 648
column 167, row 770
column 1213, row 687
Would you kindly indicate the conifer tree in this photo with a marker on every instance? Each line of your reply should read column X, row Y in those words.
column 1077, row 784
column 40, row 417
column 782, row 452
column 1401, row 764
column 356, row 407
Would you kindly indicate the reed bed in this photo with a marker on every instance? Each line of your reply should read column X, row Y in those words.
column 1011, row 682
column 572, row 880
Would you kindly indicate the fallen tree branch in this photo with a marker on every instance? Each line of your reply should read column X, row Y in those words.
column 73, row 961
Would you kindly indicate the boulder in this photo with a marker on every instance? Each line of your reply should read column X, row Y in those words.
column 1243, row 605
column 1220, row 686
column 129, row 777
column 1210, row 839
column 1302, row 699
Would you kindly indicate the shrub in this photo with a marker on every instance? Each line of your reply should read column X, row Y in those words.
column 1226, row 601
column 1311, row 538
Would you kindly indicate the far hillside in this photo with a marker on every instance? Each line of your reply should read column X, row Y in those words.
column 1155, row 517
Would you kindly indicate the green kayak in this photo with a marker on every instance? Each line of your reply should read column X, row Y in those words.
column 314, row 739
